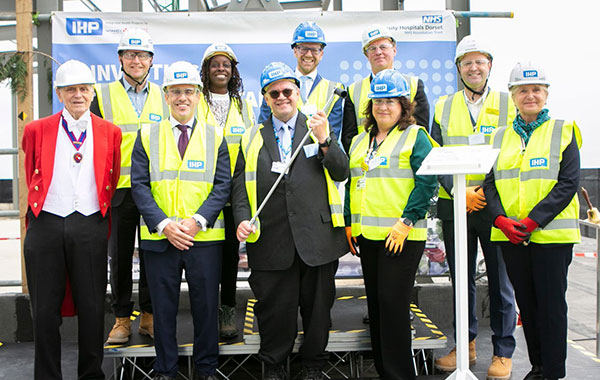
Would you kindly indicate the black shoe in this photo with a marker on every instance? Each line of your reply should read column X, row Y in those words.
column 536, row 373
column 312, row 374
column 199, row 376
column 160, row 376
column 275, row 372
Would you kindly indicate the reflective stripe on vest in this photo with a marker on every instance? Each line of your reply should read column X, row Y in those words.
column 179, row 186
column 524, row 178
column 252, row 143
column 116, row 107
column 377, row 206
column 454, row 118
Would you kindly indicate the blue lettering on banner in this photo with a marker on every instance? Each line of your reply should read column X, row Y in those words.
column 154, row 117
column 380, row 87
column 486, row 129
column 530, row 74
column 84, row 26
column 180, row 75
column 540, row 162
column 195, row 164
column 432, row 19
column 237, row 130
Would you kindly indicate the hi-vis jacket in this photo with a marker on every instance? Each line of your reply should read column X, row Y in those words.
column 179, row 185
column 116, row 107
column 454, row 119
column 525, row 176
column 359, row 91
column 235, row 125
column 379, row 202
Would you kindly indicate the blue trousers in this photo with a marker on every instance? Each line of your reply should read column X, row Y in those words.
column 202, row 265
column 502, row 302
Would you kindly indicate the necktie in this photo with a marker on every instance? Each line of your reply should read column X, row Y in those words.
column 286, row 142
column 304, row 87
column 183, row 139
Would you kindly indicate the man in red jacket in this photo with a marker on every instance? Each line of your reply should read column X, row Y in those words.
column 72, row 162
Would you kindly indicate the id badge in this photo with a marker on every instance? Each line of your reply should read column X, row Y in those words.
column 278, row 167
column 375, row 162
column 477, row 139
column 311, row 150
column 361, row 183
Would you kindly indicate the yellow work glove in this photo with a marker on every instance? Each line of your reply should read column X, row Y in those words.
column 475, row 199
column 396, row 238
column 352, row 243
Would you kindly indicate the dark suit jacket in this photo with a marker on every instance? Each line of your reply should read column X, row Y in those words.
column 39, row 145
column 153, row 215
column 297, row 217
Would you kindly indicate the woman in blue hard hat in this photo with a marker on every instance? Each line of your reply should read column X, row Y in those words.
column 532, row 194
column 222, row 106
column 386, row 204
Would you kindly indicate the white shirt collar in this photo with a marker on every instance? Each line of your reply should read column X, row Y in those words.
column 478, row 101
column 175, row 123
column 312, row 75
column 80, row 124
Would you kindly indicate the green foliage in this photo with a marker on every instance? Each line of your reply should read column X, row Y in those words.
column 13, row 67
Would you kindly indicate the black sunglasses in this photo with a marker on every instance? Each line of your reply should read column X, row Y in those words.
column 274, row 94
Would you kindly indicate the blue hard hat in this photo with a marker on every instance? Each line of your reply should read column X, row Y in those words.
column 275, row 71
column 389, row 83
column 308, row 31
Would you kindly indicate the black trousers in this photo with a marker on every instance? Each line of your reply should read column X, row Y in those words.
column 538, row 273
column 124, row 225
column 279, row 294
column 231, row 258
column 388, row 284
column 54, row 248
column 503, row 316
column 202, row 265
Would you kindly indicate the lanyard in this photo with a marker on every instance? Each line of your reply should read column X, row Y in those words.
column 77, row 143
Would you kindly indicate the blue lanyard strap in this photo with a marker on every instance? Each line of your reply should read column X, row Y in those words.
column 286, row 152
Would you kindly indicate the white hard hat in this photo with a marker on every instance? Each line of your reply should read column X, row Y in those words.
column 181, row 72
column 527, row 73
column 219, row 49
column 374, row 32
column 470, row 44
column 73, row 72
column 136, row 39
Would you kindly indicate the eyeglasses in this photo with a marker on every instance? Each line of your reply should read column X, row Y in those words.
column 130, row 55
column 274, row 94
column 388, row 102
column 304, row 50
column 176, row 92
column 383, row 47
column 217, row 65
column 478, row 63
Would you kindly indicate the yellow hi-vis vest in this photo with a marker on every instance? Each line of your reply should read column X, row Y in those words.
column 116, row 107
column 380, row 203
column 454, row 118
column 524, row 178
column 252, row 143
column 359, row 93
column 321, row 96
column 235, row 125
column 180, row 186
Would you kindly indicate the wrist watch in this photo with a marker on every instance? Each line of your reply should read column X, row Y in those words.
column 326, row 143
column 406, row 221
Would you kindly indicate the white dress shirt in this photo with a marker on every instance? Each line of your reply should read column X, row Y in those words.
column 475, row 106
column 310, row 80
column 73, row 185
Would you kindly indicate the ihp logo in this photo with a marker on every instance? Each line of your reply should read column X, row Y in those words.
column 380, row 87
column 180, row 75
column 275, row 73
column 135, row 42
column 486, row 129
column 375, row 32
column 195, row 164
column 540, row 162
column 84, row 26
column 237, row 130
column 530, row 74
column 432, row 19
column 311, row 34
column 154, row 117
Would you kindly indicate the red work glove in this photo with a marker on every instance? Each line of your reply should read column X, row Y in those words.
column 396, row 238
column 352, row 243
column 529, row 224
column 513, row 230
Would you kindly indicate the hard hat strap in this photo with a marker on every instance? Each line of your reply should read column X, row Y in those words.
column 475, row 92
column 137, row 83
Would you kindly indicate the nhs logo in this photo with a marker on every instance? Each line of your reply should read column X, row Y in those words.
column 486, row 129
column 540, row 162
column 237, row 130
column 154, row 117
column 380, row 87
column 180, row 75
column 530, row 74
column 84, row 26
column 195, row 164
column 432, row 19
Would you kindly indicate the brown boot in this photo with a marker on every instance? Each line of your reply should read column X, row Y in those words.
column 448, row 363
column 120, row 332
column 146, row 325
column 500, row 369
